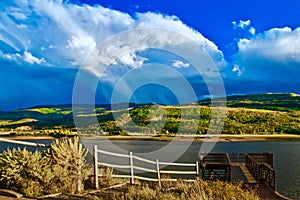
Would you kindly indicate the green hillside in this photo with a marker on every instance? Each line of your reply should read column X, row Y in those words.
column 248, row 114
column 269, row 101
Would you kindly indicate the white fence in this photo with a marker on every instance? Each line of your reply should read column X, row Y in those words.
column 23, row 142
column 132, row 175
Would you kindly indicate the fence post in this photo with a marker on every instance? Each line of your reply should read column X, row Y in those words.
column 274, row 181
column 131, row 168
column 197, row 168
column 96, row 167
column 158, row 173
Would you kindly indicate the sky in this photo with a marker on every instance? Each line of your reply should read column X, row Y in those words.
column 43, row 44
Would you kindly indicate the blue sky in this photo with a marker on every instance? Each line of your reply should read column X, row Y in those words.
column 255, row 45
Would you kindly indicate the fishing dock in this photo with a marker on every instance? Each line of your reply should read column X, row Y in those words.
column 255, row 170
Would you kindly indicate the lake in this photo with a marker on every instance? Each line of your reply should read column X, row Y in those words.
column 286, row 155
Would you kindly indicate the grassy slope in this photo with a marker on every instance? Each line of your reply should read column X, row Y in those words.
column 269, row 101
column 258, row 114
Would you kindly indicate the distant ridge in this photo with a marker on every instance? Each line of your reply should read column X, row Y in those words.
column 246, row 113
column 262, row 100
column 106, row 106
column 269, row 101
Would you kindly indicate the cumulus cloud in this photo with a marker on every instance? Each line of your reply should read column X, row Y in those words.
column 270, row 60
column 241, row 24
column 277, row 44
column 29, row 58
column 75, row 30
column 244, row 26
column 61, row 35
column 132, row 59
column 180, row 64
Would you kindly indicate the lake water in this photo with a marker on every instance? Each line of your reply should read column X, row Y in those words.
column 286, row 155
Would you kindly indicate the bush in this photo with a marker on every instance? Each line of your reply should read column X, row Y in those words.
column 67, row 160
column 24, row 171
column 61, row 168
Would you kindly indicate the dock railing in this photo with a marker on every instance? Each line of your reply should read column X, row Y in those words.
column 215, row 166
column 260, row 166
column 156, row 169
column 264, row 157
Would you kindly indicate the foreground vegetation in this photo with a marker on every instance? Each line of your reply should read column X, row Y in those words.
column 62, row 169
column 198, row 190
column 251, row 114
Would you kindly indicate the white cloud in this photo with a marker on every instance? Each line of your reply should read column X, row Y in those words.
column 132, row 60
column 74, row 31
column 17, row 13
column 252, row 30
column 180, row 64
column 236, row 68
column 241, row 24
column 270, row 57
column 10, row 57
column 244, row 26
column 277, row 44
column 5, row 56
column 173, row 23
column 29, row 58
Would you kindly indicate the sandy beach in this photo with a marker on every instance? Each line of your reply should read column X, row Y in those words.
column 194, row 138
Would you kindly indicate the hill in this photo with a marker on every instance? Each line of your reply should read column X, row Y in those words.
column 268, row 101
column 251, row 114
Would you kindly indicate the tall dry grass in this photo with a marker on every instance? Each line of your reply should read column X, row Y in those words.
column 198, row 190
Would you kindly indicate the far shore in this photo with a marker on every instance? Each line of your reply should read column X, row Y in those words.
column 194, row 138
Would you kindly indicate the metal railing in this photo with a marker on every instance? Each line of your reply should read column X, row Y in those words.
column 157, row 170
column 216, row 166
column 265, row 157
column 262, row 171
column 268, row 174
column 215, row 157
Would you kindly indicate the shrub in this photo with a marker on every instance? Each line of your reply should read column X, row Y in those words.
column 24, row 171
column 68, row 164
column 61, row 168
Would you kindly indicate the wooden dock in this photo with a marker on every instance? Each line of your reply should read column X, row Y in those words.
column 241, row 173
column 255, row 170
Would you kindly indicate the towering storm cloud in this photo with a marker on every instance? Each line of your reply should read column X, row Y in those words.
column 43, row 44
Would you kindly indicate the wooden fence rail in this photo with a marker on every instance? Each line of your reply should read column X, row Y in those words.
column 23, row 142
column 133, row 168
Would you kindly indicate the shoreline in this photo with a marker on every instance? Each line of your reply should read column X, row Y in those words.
column 197, row 138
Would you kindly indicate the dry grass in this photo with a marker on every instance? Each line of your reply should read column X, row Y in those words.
column 198, row 190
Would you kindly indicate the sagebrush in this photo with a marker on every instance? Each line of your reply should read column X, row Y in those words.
column 61, row 168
